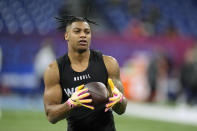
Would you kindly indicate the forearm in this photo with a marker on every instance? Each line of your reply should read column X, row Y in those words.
column 58, row 112
column 120, row 108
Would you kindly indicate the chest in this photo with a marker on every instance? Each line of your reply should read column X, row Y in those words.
column 70, row 79
column 79, row 67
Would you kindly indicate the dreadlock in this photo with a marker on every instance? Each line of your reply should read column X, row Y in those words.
column 66, row 20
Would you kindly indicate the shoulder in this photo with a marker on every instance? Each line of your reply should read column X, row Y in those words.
column 109, row 60
column 111, row 64
column 52, row 67
column 51, row 75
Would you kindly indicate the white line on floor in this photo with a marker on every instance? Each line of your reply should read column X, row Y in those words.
column 178, row 114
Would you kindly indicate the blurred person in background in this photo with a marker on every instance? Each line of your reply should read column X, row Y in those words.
column 43, row 58
column 65, row 96
column 157, row 74
column 188, row 76
column 134, row 77
column 164, row 65
column 152, row 74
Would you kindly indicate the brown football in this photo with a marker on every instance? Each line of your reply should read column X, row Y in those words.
column 98, row 93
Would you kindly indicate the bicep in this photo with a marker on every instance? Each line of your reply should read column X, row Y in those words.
column 52, row 95
column 53, row 91
column 113, row 70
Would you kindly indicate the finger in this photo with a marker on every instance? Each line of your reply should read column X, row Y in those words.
column 80, row 87
column 82, row 91
column 110, row 104
column 106, row 109
column 115, row 93
column 85, row 101
column 111, row 84
column 112, row 98
column 88, row 106
column 83, row 96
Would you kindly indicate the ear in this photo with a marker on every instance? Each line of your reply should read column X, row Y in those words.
column 66, row 36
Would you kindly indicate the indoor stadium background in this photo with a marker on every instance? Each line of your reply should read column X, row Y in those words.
column 154, row 42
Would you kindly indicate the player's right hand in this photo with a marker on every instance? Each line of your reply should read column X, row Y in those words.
column 78, row 98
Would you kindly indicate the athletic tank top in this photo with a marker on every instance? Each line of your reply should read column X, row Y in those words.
column 82, row 118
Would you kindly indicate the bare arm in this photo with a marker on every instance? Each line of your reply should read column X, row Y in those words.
column 114, row 73
column 54, row 110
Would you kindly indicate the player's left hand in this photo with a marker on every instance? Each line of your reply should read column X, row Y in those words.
column 117, row 96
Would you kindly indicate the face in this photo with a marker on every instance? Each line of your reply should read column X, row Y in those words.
column 78, row 35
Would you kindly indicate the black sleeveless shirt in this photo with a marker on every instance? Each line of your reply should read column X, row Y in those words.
column 82, row 118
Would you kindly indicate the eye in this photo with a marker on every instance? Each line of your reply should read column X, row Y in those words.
column 76, row 31
column 87, row 31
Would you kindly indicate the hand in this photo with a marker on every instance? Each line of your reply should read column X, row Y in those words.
column 77, row 98
column 117, row 96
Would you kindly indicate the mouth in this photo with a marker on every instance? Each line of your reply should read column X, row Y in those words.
column 83, row 42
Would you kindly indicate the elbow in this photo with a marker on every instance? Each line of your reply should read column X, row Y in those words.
column 51, row 120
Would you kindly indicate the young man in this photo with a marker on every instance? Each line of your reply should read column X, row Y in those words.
column 65, row 95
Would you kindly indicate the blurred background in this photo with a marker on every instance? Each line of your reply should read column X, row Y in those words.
column 154, row 42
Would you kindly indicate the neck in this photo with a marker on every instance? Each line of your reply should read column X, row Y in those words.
column 77, row 56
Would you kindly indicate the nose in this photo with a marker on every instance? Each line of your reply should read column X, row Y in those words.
column 82, row 34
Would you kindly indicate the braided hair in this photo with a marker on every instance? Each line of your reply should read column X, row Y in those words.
column 66, row 20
